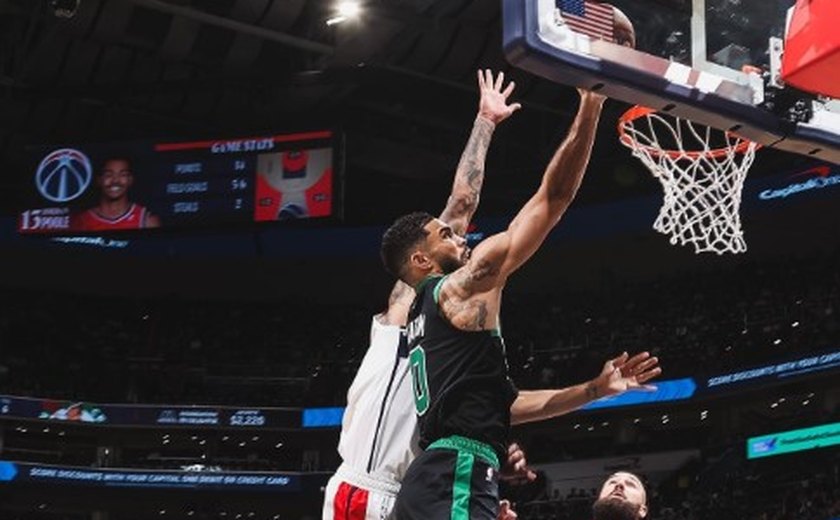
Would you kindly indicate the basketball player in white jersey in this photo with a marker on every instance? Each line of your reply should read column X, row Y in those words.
column 379, row 437
column 379, row 434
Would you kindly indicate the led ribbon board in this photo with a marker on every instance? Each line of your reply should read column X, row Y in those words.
column 15, row 472
column 670, row 390
column 829, row 360
column 793, row 440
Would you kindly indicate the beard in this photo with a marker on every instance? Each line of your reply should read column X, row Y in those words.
column 450, row 264
column 614, row 509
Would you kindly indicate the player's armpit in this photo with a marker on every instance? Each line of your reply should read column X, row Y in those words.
column 482, row 271
column 495, row 258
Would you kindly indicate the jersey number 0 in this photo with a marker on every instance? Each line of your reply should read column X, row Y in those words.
column 420, row 382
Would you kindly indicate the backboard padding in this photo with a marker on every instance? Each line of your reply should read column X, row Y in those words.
column 669, row 83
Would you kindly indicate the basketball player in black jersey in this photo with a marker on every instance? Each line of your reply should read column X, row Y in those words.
column 463, row 396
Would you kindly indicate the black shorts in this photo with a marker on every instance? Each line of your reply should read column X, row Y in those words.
column 454, row 479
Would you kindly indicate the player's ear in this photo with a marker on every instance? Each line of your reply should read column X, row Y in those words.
column 643, row 511
column 420, row 260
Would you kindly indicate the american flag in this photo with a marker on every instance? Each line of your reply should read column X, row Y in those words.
column 593, row 19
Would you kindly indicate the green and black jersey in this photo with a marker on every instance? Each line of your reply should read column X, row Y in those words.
column 460, row 378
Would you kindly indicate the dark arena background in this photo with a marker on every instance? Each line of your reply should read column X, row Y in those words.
column 200, row 370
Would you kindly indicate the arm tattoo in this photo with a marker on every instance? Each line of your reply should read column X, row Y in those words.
column 470, row 314
column 474, row 272
column 480, row 315
column 469, row 176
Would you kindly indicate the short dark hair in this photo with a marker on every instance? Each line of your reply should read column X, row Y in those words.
column 114, row 157
column 398, row 240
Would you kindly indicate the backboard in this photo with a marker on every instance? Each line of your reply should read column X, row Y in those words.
column 715, row 62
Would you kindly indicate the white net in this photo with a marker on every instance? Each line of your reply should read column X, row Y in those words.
column 702, row 172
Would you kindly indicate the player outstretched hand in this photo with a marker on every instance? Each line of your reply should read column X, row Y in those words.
column 584, row 94
column 493, row 104
column 627, row 373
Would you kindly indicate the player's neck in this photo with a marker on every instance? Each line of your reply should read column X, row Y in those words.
column 113, row 208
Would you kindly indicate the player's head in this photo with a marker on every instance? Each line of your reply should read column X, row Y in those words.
column 623, row 30
column 115, row 178
column 622, row 497
column 418, row 245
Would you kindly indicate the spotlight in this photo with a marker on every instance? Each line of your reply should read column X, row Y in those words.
column 349, row 8
column 64, row 8
column 345, row 10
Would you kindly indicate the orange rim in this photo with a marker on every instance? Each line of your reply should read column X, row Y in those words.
column 639, row 111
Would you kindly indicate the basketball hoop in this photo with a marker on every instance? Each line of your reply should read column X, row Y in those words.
column 702, row 172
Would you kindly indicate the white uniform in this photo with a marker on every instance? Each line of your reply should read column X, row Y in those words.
column 378, row 434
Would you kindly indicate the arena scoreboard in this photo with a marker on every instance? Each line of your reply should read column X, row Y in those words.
column 127, row 186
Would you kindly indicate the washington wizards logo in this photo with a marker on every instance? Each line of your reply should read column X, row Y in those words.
column 63, row 175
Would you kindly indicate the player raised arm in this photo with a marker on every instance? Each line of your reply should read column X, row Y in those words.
column 493, row 108
column 559, row 186
column 618, row 376
column 470, row 298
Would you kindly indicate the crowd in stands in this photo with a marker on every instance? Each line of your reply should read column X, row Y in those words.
column 698, row 323
column 105, row 349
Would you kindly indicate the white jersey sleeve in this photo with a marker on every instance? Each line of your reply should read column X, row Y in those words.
column 379, row 430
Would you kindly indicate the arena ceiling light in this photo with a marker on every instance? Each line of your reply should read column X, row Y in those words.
column 345, row 10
